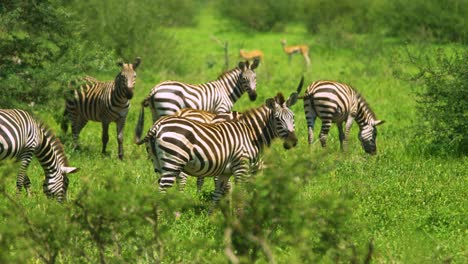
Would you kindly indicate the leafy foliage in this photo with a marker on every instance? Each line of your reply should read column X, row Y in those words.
column 442, row 104
column 264, row 15
column 132, row 28
column 42, row 48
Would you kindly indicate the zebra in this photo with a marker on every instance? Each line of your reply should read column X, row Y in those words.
column 103, row 102
column 204, row 117
column 178, row 144
column 336, row 102
column 21, row 137
column 217, row 96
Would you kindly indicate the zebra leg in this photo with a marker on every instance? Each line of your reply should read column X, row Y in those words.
column 167, row 180
column 23, row 180
column 200, row 182
column 120, row 135
column 324, row 132
column 77, row 126
column 341, row 135
column 182, row 181
column 220, row 183
column 349, row 123
column 311, row 115
column 105, row 136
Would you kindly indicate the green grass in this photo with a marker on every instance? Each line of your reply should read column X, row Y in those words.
column 413, row 206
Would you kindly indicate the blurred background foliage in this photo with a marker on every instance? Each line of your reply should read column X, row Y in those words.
column 120, row 218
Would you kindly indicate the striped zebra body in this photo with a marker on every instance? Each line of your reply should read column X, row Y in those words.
column 336, row 102
column 21, row 137
column 222, row 149
column 207, row 117
column 217, row 96
column 103, row 102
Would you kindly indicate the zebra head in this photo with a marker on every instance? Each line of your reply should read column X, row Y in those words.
column 57, row 185
column 284, row 116
column 368, row 135
column 248, row 78
column 127, row 76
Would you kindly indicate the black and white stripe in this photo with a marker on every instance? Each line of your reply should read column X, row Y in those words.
column 103, row 102
column 21, row 137
column 336, row 102
column 222, row 149
column 217, row 96
column 205, row 117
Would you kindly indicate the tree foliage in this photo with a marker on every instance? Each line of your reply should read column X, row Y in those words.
column 442, row 104
column 41, row 48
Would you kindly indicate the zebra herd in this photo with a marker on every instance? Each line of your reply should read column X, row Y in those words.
column 194, row 130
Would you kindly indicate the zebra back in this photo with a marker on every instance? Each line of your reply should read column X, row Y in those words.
column 217, row 96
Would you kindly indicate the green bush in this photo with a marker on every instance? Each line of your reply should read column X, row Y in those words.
column 422, row 19
column 351, row 16
column 416, row 20
column 41, row 49
column 137, row 28
column 443, row 110
column 264, row 15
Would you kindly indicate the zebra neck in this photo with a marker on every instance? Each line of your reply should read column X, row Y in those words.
column 50, row 153
column 364, row 115
column 230, row 83
column 261, row 121
column 119, row 93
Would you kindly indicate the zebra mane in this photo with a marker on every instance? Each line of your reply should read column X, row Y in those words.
column 367, row 107
column 56, row 143
column 227, row 72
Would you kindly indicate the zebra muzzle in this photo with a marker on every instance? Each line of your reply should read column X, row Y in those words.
column 290, row 141
column 252, row 95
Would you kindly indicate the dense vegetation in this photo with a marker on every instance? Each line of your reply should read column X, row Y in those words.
column 406, row 204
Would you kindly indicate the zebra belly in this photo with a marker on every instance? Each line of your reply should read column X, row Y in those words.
column 200, row 169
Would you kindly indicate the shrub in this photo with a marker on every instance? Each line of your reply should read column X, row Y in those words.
column 349, row 15
column 264, row 15
column 443, row 110
column 273, row 216
column 41, row 49
column 137, row 28
column 416, row 20
column 422, row 19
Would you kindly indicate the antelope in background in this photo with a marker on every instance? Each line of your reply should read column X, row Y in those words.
column 290, row 50
column 251, row 55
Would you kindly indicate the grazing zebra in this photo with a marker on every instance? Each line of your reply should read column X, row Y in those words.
column 103, row 102
column 217, row 96
column 21, row 137
column 336, row 102
column 178, row 144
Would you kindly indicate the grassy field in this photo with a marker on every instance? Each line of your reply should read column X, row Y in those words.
column 412, row 206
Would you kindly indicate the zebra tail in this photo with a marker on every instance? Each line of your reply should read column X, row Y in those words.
column 140, row 124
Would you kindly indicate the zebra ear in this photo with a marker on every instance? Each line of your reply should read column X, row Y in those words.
column 255, row 63
column 270, row 103
column 69, row 170
column 242, row 65
column 378, row 122
column 137, row 62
